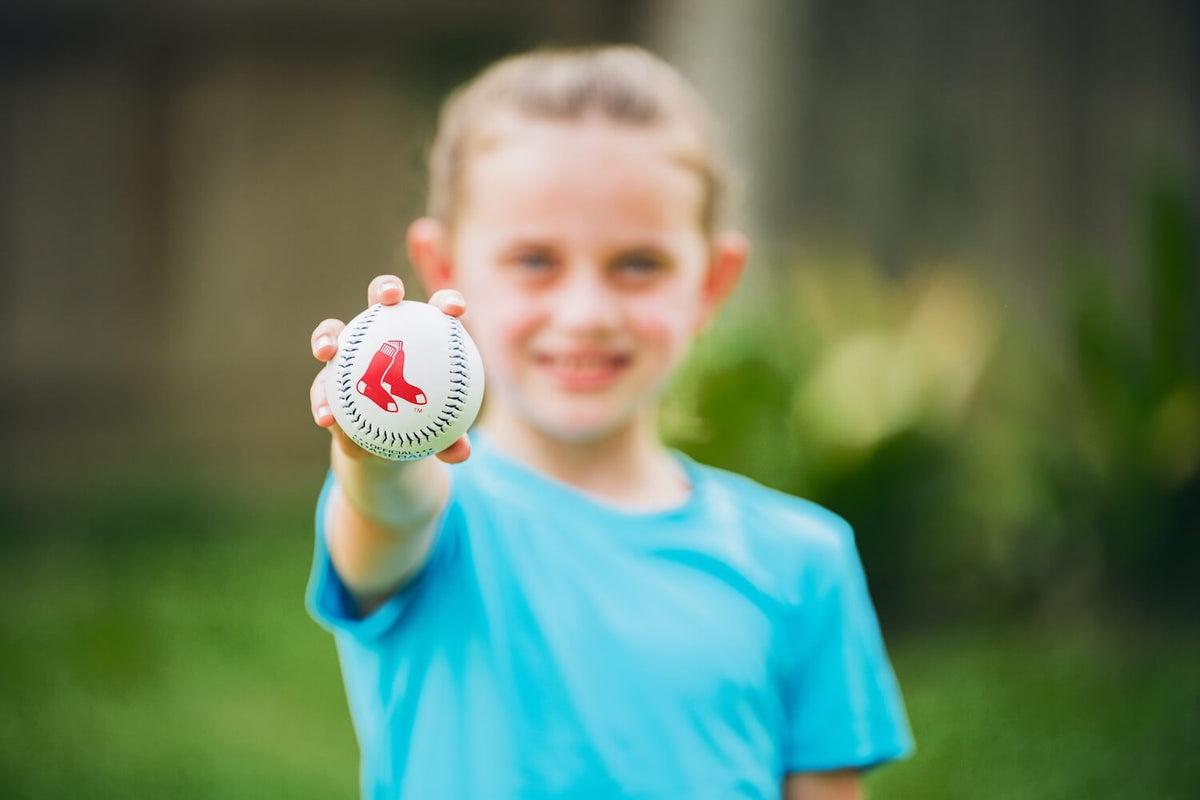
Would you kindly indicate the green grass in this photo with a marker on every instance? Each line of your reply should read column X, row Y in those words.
column 169, row 663
column 176, row 660
column 1053, row 713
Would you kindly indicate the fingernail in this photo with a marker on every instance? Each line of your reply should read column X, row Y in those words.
column 323, row 412
column 448, row 297
column 390, row 286
column 323, row 342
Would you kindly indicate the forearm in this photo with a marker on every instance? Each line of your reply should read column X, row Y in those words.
column 380, row 521
column 837, row 785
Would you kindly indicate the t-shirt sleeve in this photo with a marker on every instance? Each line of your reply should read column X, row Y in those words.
column 842, row 701
column 330, row 603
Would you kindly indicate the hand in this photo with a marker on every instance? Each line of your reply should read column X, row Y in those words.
column 389, row 290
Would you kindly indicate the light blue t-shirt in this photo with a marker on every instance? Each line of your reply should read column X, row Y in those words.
column 555, row 647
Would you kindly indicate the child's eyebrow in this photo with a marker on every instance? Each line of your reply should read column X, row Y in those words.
column 643, row 244
column 641, row 251
column 528, row 243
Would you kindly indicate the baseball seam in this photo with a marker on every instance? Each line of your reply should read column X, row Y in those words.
column 452, row 408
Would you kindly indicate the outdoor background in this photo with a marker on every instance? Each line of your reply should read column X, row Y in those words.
column 970, row 327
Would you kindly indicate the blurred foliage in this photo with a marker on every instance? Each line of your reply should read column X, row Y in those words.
column 992, row 462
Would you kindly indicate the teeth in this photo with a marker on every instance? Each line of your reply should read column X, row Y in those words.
column 582, row 363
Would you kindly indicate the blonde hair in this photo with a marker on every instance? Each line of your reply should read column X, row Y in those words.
column 623, row 84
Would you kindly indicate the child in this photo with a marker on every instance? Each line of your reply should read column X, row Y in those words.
column 576, row 611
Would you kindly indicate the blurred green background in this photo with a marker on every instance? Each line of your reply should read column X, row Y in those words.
column 971, row 327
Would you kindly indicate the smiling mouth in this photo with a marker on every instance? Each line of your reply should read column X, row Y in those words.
column 583, row 372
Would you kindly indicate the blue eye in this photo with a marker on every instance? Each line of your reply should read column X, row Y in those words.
column 639, row 266
column 534, row 262
column 532, row 265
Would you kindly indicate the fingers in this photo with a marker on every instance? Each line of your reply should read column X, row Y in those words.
column 449, row 301
column 324, row 347
column 458, row 452
column 323, row 415
column 324, row 339
column 386, row 289
column 319, row 405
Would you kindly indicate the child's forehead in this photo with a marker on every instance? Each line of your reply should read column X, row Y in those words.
column 600, row 176
column 593, row 132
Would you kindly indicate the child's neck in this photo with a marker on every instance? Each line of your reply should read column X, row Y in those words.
column 628, row 468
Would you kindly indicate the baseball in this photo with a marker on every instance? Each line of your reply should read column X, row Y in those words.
column 406, row 382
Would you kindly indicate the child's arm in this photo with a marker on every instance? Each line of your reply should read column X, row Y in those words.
column 381, row 516
column 840, row 785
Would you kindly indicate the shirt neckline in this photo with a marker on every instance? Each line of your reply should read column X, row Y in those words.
column 530, row 479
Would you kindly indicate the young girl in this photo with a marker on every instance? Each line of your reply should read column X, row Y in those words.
column 573, row 610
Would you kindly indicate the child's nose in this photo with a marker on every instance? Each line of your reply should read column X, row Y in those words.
column 586, row 305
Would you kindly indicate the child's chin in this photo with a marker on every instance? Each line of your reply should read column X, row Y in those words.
column 582, row 429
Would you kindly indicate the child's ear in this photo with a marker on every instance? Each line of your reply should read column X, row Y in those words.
column 428, row 242
column 730, row 249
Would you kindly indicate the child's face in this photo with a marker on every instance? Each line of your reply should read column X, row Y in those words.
column 586, row 271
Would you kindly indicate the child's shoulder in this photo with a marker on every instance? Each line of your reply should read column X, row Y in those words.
column 797, row 514
column 792, row 527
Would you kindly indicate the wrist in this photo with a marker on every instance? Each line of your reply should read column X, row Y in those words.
column 398, row 495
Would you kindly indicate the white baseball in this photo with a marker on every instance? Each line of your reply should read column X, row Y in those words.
column 407, row 380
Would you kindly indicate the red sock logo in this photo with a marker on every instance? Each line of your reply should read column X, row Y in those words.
column 384, row 378
column 394, row 381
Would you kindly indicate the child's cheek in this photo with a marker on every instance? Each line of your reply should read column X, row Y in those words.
column 661, row 320
column 504, row 329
